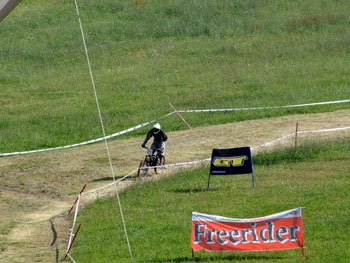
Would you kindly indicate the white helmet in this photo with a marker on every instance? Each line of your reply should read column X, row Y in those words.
column 156, row 126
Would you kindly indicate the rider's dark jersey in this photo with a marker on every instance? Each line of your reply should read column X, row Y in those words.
column 158, row 137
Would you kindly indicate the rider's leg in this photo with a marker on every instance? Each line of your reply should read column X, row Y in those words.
column 161, row 151
column 160, row 148
column 160, row 156
column 153, row 148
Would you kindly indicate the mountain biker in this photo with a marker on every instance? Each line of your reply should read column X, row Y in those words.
column 159, row 139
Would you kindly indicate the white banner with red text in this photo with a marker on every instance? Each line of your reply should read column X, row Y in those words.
column 279, row 231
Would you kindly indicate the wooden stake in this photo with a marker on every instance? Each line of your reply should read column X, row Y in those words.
column 296, row 136
column 82, row 190
column 188, row 126
column 71, row 244
column 138, row 172
column 209, row 181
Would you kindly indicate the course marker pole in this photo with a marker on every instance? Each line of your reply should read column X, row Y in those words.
column 178, row 114
column 137, row 176
column 303, row 248
column 71, row 244
column 209, row 181
column 253, row 178
column 82, row 190
column 296, row 135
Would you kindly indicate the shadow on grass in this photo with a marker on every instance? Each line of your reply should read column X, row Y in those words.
column 192, row 190
column 220, row 258
column 110, row 178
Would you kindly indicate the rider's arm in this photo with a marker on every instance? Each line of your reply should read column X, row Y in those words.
column 165, row 137
column 148, row 136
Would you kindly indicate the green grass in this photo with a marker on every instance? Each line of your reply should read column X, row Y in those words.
column 311, row 150
column 195, row 54
column 158, row 213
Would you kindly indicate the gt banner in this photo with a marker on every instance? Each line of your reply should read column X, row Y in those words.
column 279, row 231
column 231, row 161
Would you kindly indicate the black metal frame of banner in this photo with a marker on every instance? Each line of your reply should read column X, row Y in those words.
column 223, row 162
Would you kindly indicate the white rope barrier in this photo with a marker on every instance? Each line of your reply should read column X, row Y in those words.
column 164, row 116
column 208, row 159
column 268, row 108
column 174, row 164
column 325, row 130
column 72, row 259
column 143, row 168
column 110, row 184
column 273, row 141
column 90, row 141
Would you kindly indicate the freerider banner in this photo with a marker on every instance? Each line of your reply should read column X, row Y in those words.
column 274, row 232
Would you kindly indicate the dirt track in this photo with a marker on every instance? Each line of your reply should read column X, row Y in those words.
column 37, row 189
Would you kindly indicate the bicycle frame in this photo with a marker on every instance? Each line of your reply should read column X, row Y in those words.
column 152, row 159
column 153, row 155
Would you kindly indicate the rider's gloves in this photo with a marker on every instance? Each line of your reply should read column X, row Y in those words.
column 143, row 146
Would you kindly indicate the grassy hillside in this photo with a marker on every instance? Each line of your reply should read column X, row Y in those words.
column 144, row 53
column 158, row 213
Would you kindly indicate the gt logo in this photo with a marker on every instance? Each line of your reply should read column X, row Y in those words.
column 229, row 161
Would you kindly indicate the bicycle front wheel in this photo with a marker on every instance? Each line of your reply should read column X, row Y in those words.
column 144, row 171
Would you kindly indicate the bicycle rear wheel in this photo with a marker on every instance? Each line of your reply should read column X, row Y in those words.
column 160, row 162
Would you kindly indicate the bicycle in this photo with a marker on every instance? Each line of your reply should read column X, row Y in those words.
column 151, row 160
